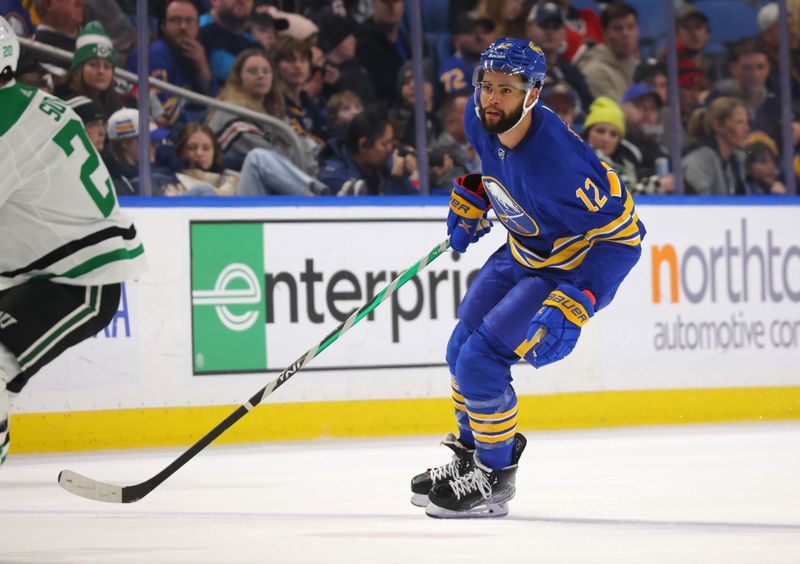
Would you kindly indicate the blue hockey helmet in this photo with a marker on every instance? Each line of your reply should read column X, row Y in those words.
column 513, row 56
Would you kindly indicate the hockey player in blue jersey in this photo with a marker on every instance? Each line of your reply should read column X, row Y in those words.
column 573, row 236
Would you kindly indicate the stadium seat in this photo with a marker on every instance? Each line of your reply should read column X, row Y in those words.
column 730, row 21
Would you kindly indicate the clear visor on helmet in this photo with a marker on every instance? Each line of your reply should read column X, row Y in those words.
column 503, row 84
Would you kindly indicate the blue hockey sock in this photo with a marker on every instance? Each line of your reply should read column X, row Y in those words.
column 493, row 424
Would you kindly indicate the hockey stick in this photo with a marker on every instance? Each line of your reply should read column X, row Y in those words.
column 100, row 491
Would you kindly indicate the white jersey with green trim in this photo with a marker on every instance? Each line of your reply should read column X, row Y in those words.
column 59, row 215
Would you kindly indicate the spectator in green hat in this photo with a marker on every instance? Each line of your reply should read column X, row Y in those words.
column 91, row 72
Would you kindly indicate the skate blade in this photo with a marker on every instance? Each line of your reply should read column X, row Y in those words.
column 420, row 500
column 489, row 511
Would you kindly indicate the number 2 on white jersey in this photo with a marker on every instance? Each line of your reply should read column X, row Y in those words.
column 103, row 199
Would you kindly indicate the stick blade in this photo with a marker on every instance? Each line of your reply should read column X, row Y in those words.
column 82, row 486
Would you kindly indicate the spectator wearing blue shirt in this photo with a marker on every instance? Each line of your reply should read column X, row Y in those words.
column 177, row 56
column 471, row 35
column 366, row 161
column 225, row 37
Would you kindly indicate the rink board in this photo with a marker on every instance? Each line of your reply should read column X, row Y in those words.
column 706, row 328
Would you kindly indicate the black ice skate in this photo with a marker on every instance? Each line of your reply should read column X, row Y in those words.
column 460, row 464
column 481, row 492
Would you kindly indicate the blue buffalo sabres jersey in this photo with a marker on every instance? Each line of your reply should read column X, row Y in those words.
column 568, row 216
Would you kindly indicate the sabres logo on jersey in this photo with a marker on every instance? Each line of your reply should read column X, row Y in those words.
column 534, row 47
column 508, row 210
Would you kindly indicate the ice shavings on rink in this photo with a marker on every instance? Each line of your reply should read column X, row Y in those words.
column 666, row 494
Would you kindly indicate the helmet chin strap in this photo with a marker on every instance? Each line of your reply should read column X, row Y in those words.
column 525, row 109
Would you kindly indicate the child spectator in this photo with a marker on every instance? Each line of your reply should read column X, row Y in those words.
column 340, row 111
column 122, row 157
column 94, row 120
column 199, row 164
column 761, row 166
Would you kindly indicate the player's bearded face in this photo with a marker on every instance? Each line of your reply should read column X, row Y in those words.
column 499, row 120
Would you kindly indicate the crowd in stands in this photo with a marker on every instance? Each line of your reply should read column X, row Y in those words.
column 338, row 73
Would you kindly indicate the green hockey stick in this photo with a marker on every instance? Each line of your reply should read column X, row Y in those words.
column 100, row 491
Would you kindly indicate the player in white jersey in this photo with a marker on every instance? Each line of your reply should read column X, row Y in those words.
column 64, row 245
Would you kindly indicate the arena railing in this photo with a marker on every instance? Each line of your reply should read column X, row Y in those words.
column 297, row 152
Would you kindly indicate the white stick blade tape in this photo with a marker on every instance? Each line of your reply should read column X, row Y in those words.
column 91, row 489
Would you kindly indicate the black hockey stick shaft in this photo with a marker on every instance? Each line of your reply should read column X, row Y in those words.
column 86, row 487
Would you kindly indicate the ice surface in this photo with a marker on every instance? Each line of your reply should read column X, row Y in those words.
column 705, row 494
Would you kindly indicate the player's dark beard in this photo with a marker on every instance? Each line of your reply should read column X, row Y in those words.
column 503, row 124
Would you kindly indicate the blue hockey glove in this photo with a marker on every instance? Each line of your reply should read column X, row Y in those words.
column 562, row 315
column 466, row 222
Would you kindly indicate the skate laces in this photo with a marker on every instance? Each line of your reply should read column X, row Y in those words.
column 474, row 480
column 449, row 470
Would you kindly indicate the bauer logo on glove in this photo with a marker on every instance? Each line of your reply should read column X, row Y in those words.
column 464, row 209
column 562, row 315
column 466, row 220
column 572, row 310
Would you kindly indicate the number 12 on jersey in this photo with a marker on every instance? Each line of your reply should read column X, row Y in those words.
column 584, row 195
